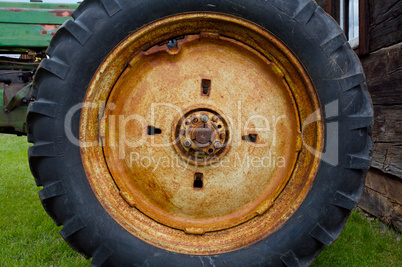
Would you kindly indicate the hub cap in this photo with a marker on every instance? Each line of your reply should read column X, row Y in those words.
column 202, row 136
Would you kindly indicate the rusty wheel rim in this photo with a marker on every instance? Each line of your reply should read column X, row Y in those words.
column 196, row 203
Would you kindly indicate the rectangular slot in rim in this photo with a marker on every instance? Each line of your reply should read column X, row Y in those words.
column 151, row 130
column 252, row 138
column 198, row 182
column 205, row 87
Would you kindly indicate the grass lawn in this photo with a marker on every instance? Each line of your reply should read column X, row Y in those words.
column 28, row 237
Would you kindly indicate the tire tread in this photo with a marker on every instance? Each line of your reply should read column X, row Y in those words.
column 305, row 12
column 358, row 161
column 344, row 201
column 349, row 82
column 322, row 235
column 42, row 150
column 80, row 33
column 331, row 45
column 55, row 67
column 111, row 7
column 102, row 254
column 290, row 259
column 42, row 107
column 52, row 190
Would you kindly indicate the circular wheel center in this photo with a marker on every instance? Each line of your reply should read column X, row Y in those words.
column 202, row 136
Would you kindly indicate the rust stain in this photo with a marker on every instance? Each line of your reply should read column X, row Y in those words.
column 259, row 71
column 190, row 127
column 13, row 9
column 62, row 13
column 49, row 27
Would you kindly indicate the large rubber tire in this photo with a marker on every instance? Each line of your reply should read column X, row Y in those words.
column 78, row 49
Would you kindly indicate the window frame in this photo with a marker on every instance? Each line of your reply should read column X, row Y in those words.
column 333, row 8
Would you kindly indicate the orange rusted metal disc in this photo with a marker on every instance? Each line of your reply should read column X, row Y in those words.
column 192, row 134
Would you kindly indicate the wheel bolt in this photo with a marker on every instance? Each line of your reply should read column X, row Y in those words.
column 217, row 145
column 222, row 135
column 215, row 118
column 204, row 118
column 187, row 143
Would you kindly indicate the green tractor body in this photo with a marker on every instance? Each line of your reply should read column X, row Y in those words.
column 25, row 32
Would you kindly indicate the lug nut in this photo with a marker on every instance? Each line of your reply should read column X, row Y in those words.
column 204, row 118
column 215, row 118
column 172, row 44
column 187, row 143
column 217, row 145
column 222, row 135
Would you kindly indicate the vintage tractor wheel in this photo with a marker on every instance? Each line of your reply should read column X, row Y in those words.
column 195, row 133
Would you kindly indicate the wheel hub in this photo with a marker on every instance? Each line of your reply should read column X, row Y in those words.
column 202, row 136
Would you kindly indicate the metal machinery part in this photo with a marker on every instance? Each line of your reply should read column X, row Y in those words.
column 202, row 136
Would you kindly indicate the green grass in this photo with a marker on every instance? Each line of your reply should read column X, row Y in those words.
column 28, row 237
column 363, row 243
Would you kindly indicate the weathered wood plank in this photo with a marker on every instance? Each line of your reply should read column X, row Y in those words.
column 381, row 207
column 387, row 158
column 383, row 71
column 385, row 184
column 387, row 124
column 386, row 23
